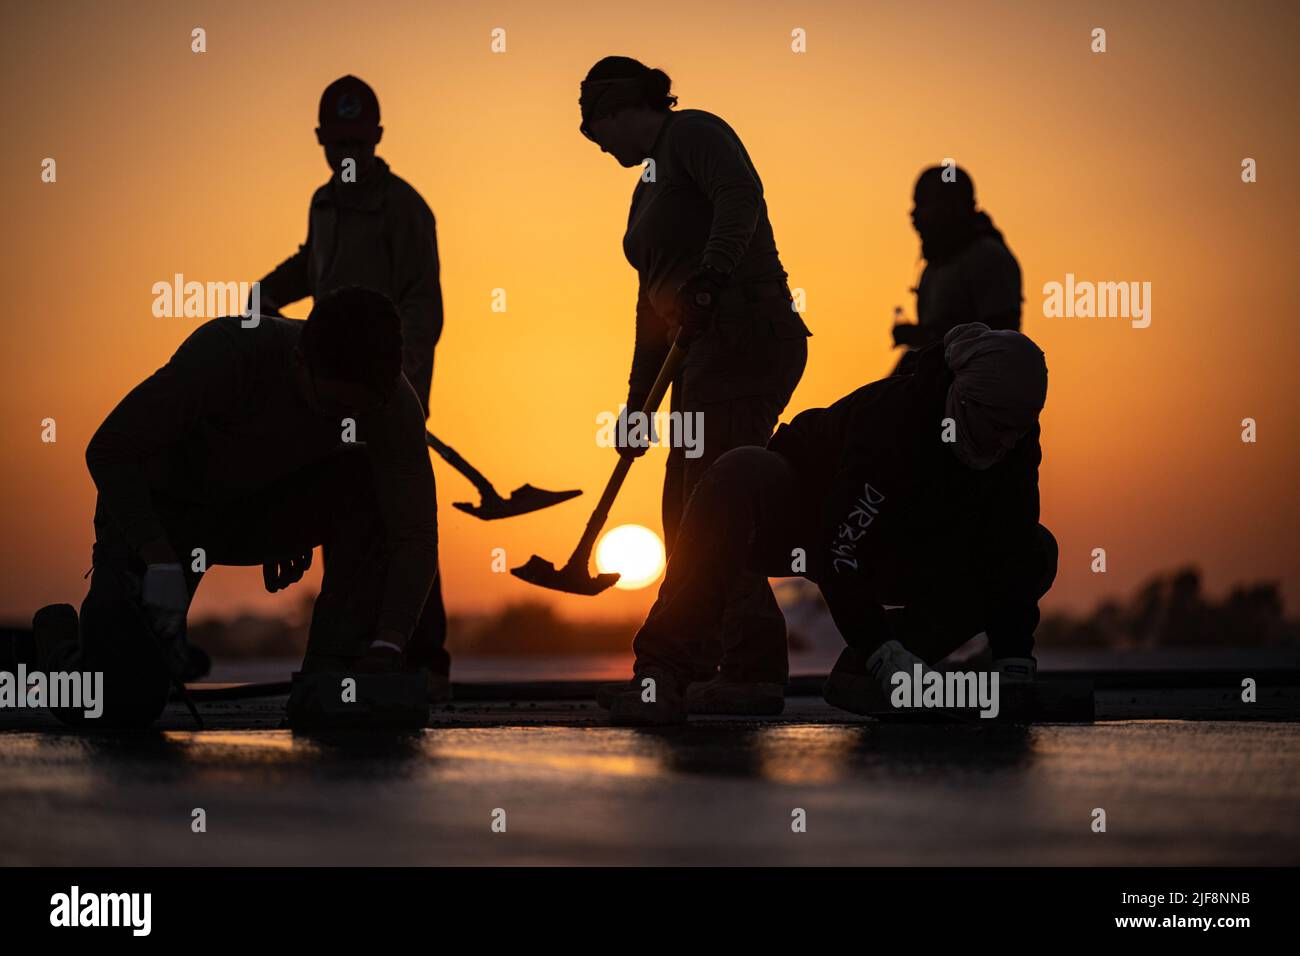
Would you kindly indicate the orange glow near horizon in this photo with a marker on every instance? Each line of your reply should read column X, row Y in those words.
column 1123, row 166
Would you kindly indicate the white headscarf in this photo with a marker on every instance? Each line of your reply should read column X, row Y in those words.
column 998, row 389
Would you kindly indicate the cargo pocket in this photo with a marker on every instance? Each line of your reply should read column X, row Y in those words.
column 725, row 343
column 787, row 323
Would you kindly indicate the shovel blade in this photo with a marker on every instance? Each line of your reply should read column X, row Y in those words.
column 522, row 500
column 570, row 578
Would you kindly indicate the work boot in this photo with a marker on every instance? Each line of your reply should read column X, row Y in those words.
column 437, row 685
column 57, row 636
column 197, row 663
column 863, row 685
column 17, row 646
column 1016, row 670
column 631, row 709
column 735, row 698
column 313, row 663
column 379, row 660
column 606, row 693
column 1017, row 688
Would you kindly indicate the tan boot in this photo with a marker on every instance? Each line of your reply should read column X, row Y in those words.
column 736, row 698
column 656, row 700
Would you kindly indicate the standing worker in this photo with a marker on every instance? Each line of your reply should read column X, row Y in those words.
column 970, row 275
column 367, row 227
column 700, row 240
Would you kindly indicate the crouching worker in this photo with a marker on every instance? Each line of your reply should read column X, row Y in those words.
column 918, row 492
column 254, row 445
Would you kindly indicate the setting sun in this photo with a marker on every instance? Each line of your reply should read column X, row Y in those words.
column 634, row 552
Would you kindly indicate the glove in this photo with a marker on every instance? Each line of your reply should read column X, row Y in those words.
column 907, row 333
column 282, row 572
column 632, row 442
column 266, row 305
column 697, row 299
column 166, row 599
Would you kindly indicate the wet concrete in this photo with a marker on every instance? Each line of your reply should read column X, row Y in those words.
column 717, row 791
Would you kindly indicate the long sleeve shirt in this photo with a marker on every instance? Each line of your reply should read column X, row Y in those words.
column 981, row 283
column 377, row 233
column 704, row 205
column 224, row 418
column 894, row 511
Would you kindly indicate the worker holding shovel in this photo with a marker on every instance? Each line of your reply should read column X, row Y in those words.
column 700, row 240
column 368, row 227
column 915, row 502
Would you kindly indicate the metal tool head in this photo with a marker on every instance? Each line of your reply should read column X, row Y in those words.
column 572, row 578
column 522, row 500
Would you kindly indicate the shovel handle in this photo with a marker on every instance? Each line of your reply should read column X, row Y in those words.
column 667, row 372
column 453, row 458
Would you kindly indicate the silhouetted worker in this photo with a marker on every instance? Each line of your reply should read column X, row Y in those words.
column 970, row 275
column 699, row 238
column 887, row 512
column 367, row 227
column 254, row 446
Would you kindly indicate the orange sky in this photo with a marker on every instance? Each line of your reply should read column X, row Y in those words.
column 1120, row 166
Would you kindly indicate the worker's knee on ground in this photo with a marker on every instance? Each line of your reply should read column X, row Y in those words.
column 115, row 637
column 131, row 698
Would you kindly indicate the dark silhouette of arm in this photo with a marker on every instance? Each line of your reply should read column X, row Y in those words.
column 417, row 288
column 290, row 280
column 648, row 352
column 1012, row 512
column 715, row 160
column 995, row 289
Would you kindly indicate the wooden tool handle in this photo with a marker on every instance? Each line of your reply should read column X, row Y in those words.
column 667, row 372
column 453, row 458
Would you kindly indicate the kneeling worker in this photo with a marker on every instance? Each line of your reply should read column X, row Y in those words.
column 254, row 445
column 918, row 492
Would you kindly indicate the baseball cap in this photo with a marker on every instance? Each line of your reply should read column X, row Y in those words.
column 349, row 109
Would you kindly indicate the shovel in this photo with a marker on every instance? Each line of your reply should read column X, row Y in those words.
column 574, row 577
column 522, row 500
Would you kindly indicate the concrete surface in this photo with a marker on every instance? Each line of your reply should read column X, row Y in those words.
column 720, row 790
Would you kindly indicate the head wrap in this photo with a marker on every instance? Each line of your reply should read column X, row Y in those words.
column 598, row 98
column 999, row 386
